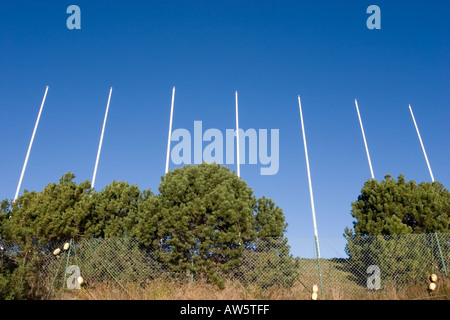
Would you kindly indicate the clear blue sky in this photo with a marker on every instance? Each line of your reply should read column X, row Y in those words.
column 269, row 51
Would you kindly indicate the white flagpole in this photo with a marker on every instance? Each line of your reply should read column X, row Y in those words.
column 170, row 130
column 31, row 143
column 421, row 143
column 237, row 137
column 365, row 142
column 309, row 181
column 101, row 140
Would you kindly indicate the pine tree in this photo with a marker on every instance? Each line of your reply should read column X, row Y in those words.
column 57, row 213
column 398, row 207
column 205, row 216
column 267, row 260
column 114, row 210
column 393, row 222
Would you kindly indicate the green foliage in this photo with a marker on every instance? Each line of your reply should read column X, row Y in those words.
column 401, row 258
column 18, row 272
column 266, row 260
column 56, row 213
column 70, row 210
column 115, row 260
column 269, row 219
column 38, row 222
column 205, row 216
column 201, row 223
column 12, row 285
column 398, row 207
column 144, row 229
column 114, row 210
column 388, row 209
column 7, row 267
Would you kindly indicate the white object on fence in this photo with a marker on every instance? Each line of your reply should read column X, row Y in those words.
column 433, row 278
column 101, row 140
column 31, row 143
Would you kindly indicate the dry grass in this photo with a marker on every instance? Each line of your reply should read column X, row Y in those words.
column 172, row 290
column 201, row 290
column 338, row 284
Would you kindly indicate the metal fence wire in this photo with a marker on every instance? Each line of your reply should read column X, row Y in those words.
column 372, row 267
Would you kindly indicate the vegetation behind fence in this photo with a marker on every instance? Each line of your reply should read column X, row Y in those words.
column 375, row 265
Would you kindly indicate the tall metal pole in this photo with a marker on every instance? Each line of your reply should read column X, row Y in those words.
column 316, row 236
column 309, row 177
column 237, row 137
column 421, row 143
column 170, row 130
column 31, row 143
column 101, row 140
column 365, row 142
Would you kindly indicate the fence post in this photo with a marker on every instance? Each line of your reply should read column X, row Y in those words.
column 318, row 264
column 440, row 253
column 67, row 264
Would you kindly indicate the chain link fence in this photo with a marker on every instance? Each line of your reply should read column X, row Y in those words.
column 373, row 267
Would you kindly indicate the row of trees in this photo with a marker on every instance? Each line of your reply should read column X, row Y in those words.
column 194, row 202
column 202, row 220
column 206, row 220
